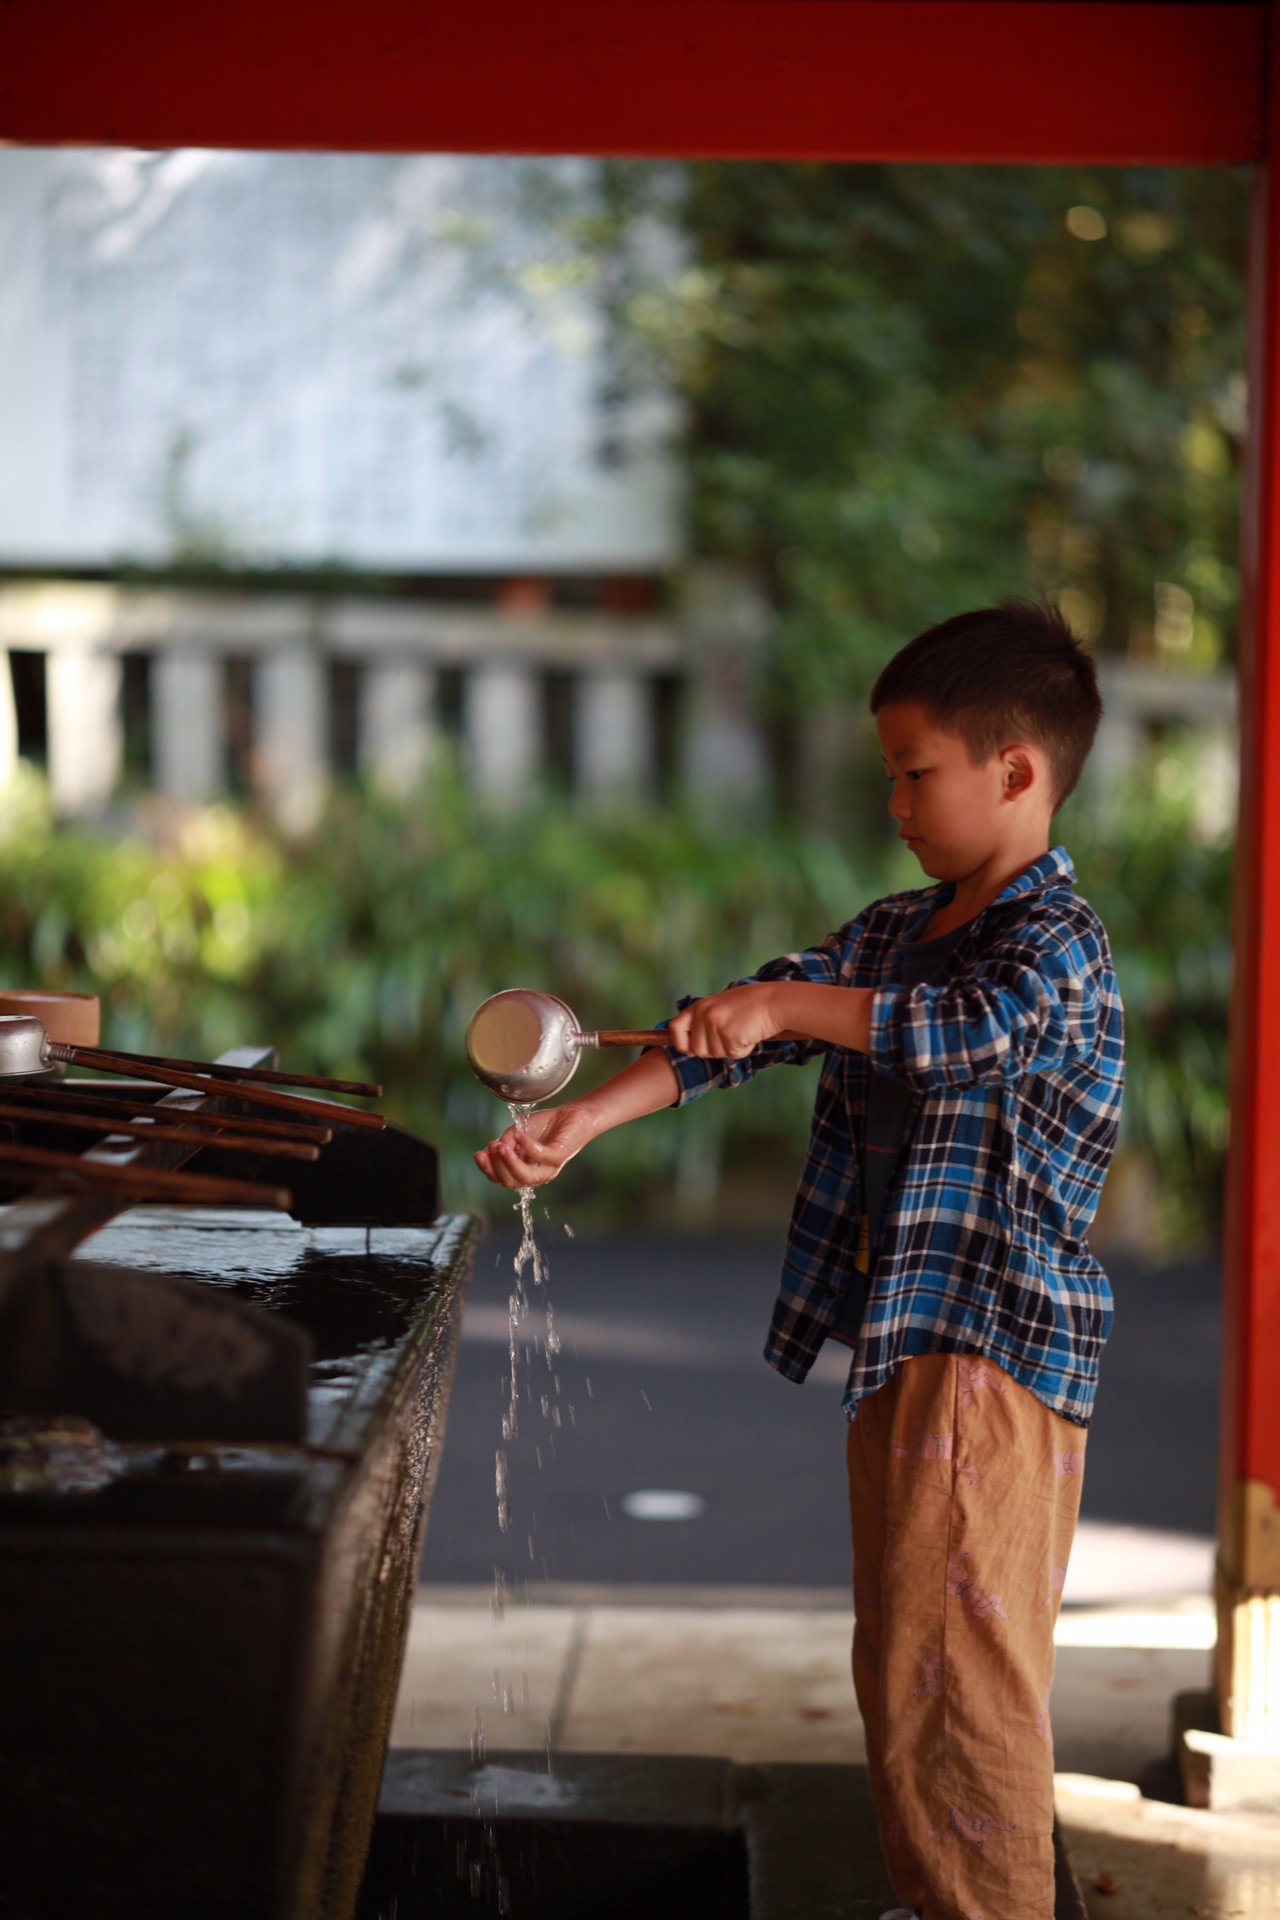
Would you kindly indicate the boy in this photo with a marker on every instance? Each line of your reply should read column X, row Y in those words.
column 966, row 1114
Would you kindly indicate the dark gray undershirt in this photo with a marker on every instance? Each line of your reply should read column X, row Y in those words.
column 889, row 1105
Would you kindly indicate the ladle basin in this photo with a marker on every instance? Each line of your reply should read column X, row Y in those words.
column 525, row 1045
column 25, row 1047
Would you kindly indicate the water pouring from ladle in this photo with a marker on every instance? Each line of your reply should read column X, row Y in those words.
column 525, row 1045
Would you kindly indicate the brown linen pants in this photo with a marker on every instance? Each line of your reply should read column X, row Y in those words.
column 963, row 1495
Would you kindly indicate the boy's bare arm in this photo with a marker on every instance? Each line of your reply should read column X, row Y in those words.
column 723, row 1026
column 531, row 1155
column 730, row 1025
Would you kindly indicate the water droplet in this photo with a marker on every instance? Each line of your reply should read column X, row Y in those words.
column 498, row 1602
column 648, row 1402
column 477, row 1741
column 500, row 1482
column 663, row 1503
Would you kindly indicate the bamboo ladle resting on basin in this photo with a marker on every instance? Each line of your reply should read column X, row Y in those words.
column 27, row 1052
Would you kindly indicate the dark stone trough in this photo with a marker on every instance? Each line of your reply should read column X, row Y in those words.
column 218, row 1438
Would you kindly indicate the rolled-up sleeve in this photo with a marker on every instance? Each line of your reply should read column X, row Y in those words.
column 1029, row 1009
column 825, row 965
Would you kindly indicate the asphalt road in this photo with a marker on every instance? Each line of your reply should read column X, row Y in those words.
column 659, row 1385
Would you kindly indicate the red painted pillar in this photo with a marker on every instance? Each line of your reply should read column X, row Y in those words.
column 1248, row 1673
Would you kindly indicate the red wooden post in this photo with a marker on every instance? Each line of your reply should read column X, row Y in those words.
column 1248, row 1668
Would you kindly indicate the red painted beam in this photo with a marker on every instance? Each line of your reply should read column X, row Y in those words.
column 908, row 80
column 1251, row 1377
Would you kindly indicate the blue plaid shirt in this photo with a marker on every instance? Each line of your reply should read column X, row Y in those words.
column 1016, row 1057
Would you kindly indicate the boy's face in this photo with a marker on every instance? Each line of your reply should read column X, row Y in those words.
column 955, row 815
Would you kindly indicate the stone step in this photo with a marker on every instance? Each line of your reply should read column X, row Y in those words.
column 686, row 1838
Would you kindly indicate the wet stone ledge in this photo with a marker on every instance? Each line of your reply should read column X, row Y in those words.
column 202, row 1638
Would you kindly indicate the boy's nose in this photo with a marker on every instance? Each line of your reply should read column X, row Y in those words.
column 898, row 806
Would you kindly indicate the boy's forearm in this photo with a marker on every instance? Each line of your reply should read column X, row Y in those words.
column 839, row 1015
column 646, row 1086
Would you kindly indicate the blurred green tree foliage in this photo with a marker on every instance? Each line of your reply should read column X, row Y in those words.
column 905, row 391
column 911, row 390
column 366, row 951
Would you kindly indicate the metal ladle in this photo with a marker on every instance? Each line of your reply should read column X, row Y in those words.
column 27, row 1052
column 525, row 1046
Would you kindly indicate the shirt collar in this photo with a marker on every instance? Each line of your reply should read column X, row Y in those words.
column 1051, row 869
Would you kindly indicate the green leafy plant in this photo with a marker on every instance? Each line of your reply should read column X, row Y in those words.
column 365, row 951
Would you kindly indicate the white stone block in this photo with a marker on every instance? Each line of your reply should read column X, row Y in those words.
column 290, row 724
column 86, row 734
column 188, row 753
column 503, row 728
column 613, row 726
column 396, row 723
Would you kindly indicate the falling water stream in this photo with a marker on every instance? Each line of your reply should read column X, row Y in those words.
column 529, row 1265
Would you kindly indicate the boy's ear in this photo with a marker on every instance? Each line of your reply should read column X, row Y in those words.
column 1019, row 770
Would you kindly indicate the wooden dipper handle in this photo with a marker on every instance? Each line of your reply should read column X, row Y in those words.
column 149, row 1130
column 268, row 1076
column 151, row 1183
column 200, row 1083
column 40, row 1099
column 628, row 1037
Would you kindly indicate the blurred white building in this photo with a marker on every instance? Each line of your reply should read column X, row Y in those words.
column 372, row 415
column 389, row 382
column 366, row 362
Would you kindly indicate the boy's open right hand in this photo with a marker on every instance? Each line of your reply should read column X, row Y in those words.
column 532, row 1154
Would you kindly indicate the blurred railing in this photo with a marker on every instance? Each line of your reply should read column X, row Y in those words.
column 410, row 671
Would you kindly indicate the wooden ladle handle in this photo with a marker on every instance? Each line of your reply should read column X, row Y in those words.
column 628, row 1037
column 152, row 1183
column 199, row 1083
column 267, row 1076
column 652, row 1037
column 229, row 1141
column 36, row 1100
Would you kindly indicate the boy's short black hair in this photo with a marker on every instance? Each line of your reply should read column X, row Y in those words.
column 1006, row 673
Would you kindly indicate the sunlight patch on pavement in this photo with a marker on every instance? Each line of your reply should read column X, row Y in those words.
column 1186, row 1629
column 1114, row 1564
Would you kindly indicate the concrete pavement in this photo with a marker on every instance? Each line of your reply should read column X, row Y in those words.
column 724, row 1633
column 658, row 1383
column 762, row 1677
